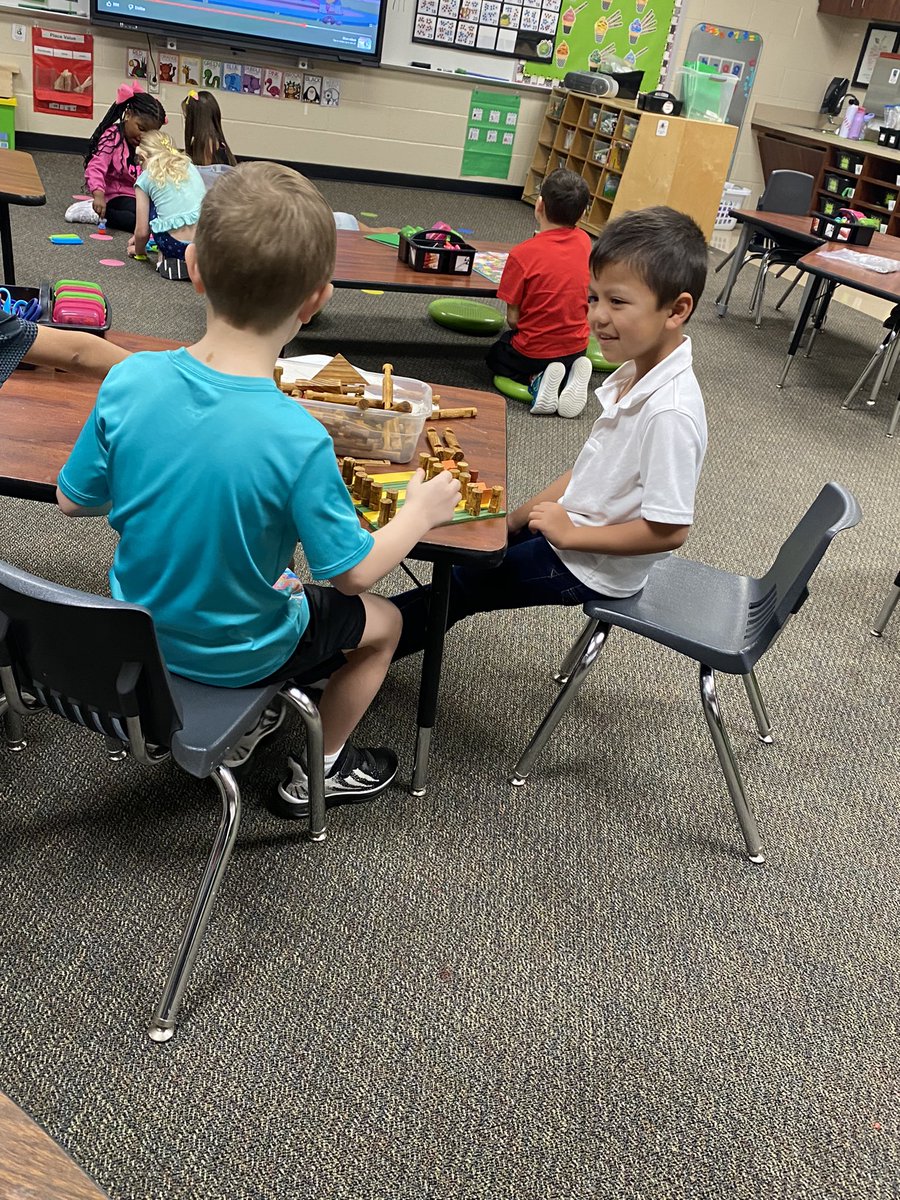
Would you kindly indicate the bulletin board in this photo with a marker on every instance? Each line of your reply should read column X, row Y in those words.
column 399, row 50
column 590, row 31
column 519, row 30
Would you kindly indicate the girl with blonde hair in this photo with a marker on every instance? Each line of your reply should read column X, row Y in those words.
column 168, row 194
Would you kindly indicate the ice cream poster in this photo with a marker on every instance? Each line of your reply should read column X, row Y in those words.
column 588, row 32
column 509, row 27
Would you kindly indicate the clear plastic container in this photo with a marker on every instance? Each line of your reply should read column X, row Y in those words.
column 706, row 95
column 374, row 432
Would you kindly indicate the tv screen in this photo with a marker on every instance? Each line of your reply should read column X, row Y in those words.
column 349, row 30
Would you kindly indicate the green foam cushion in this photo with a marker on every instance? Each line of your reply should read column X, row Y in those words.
column 595, row 354
column 515, row 391
column 468, row 316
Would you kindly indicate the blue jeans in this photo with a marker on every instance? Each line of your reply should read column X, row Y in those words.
column 530, row 576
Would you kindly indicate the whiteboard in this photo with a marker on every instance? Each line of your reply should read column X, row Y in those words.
column 399, row 50
column 80, row 9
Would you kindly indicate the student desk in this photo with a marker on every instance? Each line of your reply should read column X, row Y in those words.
column 19, row 184
column 364, row 264
column 41, row 414
column 826, row 274
column 755, row 221
column 31, row 1163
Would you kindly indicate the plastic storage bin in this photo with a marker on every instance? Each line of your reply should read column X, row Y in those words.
column 706, row 94
column 424, row 255
column 732, row 197
column 837, row 231
column 373, row 433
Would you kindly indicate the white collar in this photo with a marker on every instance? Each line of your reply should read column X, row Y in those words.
column 673, row 364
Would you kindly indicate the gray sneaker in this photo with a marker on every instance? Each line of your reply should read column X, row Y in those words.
column 357, row 776
column 271, row 719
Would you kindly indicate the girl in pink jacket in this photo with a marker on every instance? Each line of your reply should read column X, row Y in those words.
column 110, row 166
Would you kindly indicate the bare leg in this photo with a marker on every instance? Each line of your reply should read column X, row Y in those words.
column 352, row 689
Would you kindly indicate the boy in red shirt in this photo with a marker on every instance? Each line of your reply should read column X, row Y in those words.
column 545, row 285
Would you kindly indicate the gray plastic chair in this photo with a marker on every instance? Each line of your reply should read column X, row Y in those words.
column 789, row 193
column 722, row 621
column 887, row 608
column 96, row 662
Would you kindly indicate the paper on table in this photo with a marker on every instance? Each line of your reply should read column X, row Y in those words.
column 490, row 264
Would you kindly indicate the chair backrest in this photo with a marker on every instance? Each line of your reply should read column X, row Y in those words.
column 788, row 192
column 92, row 660
column 782, row 591
column 211, row 173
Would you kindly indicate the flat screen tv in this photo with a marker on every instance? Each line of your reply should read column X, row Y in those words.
column 347, row 30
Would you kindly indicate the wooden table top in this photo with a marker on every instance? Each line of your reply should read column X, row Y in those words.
column 42, row 412
column 821, row 262
column 364, row 264
column 19, row 179
column 31, row 1163
column 798, row 227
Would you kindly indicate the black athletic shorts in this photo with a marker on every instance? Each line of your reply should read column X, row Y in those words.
column 336, row 624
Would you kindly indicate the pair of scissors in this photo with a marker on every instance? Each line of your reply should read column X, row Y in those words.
column 28, row 310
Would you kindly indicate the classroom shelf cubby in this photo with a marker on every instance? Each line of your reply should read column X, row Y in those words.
column 632, row 159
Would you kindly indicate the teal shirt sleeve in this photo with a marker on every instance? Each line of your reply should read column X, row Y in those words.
column 84, row 477
column 328, row 527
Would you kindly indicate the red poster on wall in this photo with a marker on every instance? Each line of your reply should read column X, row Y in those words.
column 63, row 72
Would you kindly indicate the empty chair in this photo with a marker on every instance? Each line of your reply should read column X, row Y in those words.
column 789, row 193
column 722, row 621
column 890, row 603
column 96, row 662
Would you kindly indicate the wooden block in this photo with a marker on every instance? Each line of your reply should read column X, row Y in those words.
column 340, row 370
column 347, row 466
column 433, row 439
column 449, row 414
column 424, row 460
column 375, row 494
column 277, row 374
column 387, row 385
column 464, row 480
column 384, row 511
column 496, row 501
column 365, row 491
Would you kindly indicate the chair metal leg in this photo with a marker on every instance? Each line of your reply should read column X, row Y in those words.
column 894, row 355
column 578, row 648
column 558, row 709
column 892, row 428
column 726, row 260
column 886, row 609
column 115, row 750
column 790, row 288
column 879, row 358
column 760, row 292
column 15, row 728
column 729, row 766
column 757, row 704
column 315, row 758
column 887, row 362
column 162, row 1025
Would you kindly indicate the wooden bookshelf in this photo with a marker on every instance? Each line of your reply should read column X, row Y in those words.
column 632, row 159
column 870, row 181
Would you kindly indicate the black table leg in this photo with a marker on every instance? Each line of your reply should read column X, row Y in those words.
column 810, row 295
column 734, row 270
column 431, row 674
column 9, row 270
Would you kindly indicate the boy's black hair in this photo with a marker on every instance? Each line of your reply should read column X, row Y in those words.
column 141, row 104
column 565, row 196
column 665, row 248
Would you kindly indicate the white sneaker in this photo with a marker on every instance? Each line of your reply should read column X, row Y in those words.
column 574, row 395
column 82, row 213
column 271, row 719
column 547, row 397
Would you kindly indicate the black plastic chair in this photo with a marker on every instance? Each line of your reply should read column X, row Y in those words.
column 724, row 622
column 788, row 193
column 888, row 607
column 96, row 662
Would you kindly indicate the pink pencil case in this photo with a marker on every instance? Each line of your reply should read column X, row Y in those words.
column 73, row 311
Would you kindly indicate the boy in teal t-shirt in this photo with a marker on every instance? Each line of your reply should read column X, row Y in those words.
column 210, row 476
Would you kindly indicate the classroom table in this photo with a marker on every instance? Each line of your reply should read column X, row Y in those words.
column 41, row 414
column 33, row 1165
column 752, row 222
column 364, row 264
column 826, row 274
column 19, row 184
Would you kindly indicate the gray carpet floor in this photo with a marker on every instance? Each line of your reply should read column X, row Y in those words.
column 577, row 989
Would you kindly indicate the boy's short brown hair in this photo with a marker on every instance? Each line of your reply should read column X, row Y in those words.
column 265, row 243
column 565, row 196
column 665, row 248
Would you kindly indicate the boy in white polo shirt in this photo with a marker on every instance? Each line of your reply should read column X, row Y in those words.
column 629, row 499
